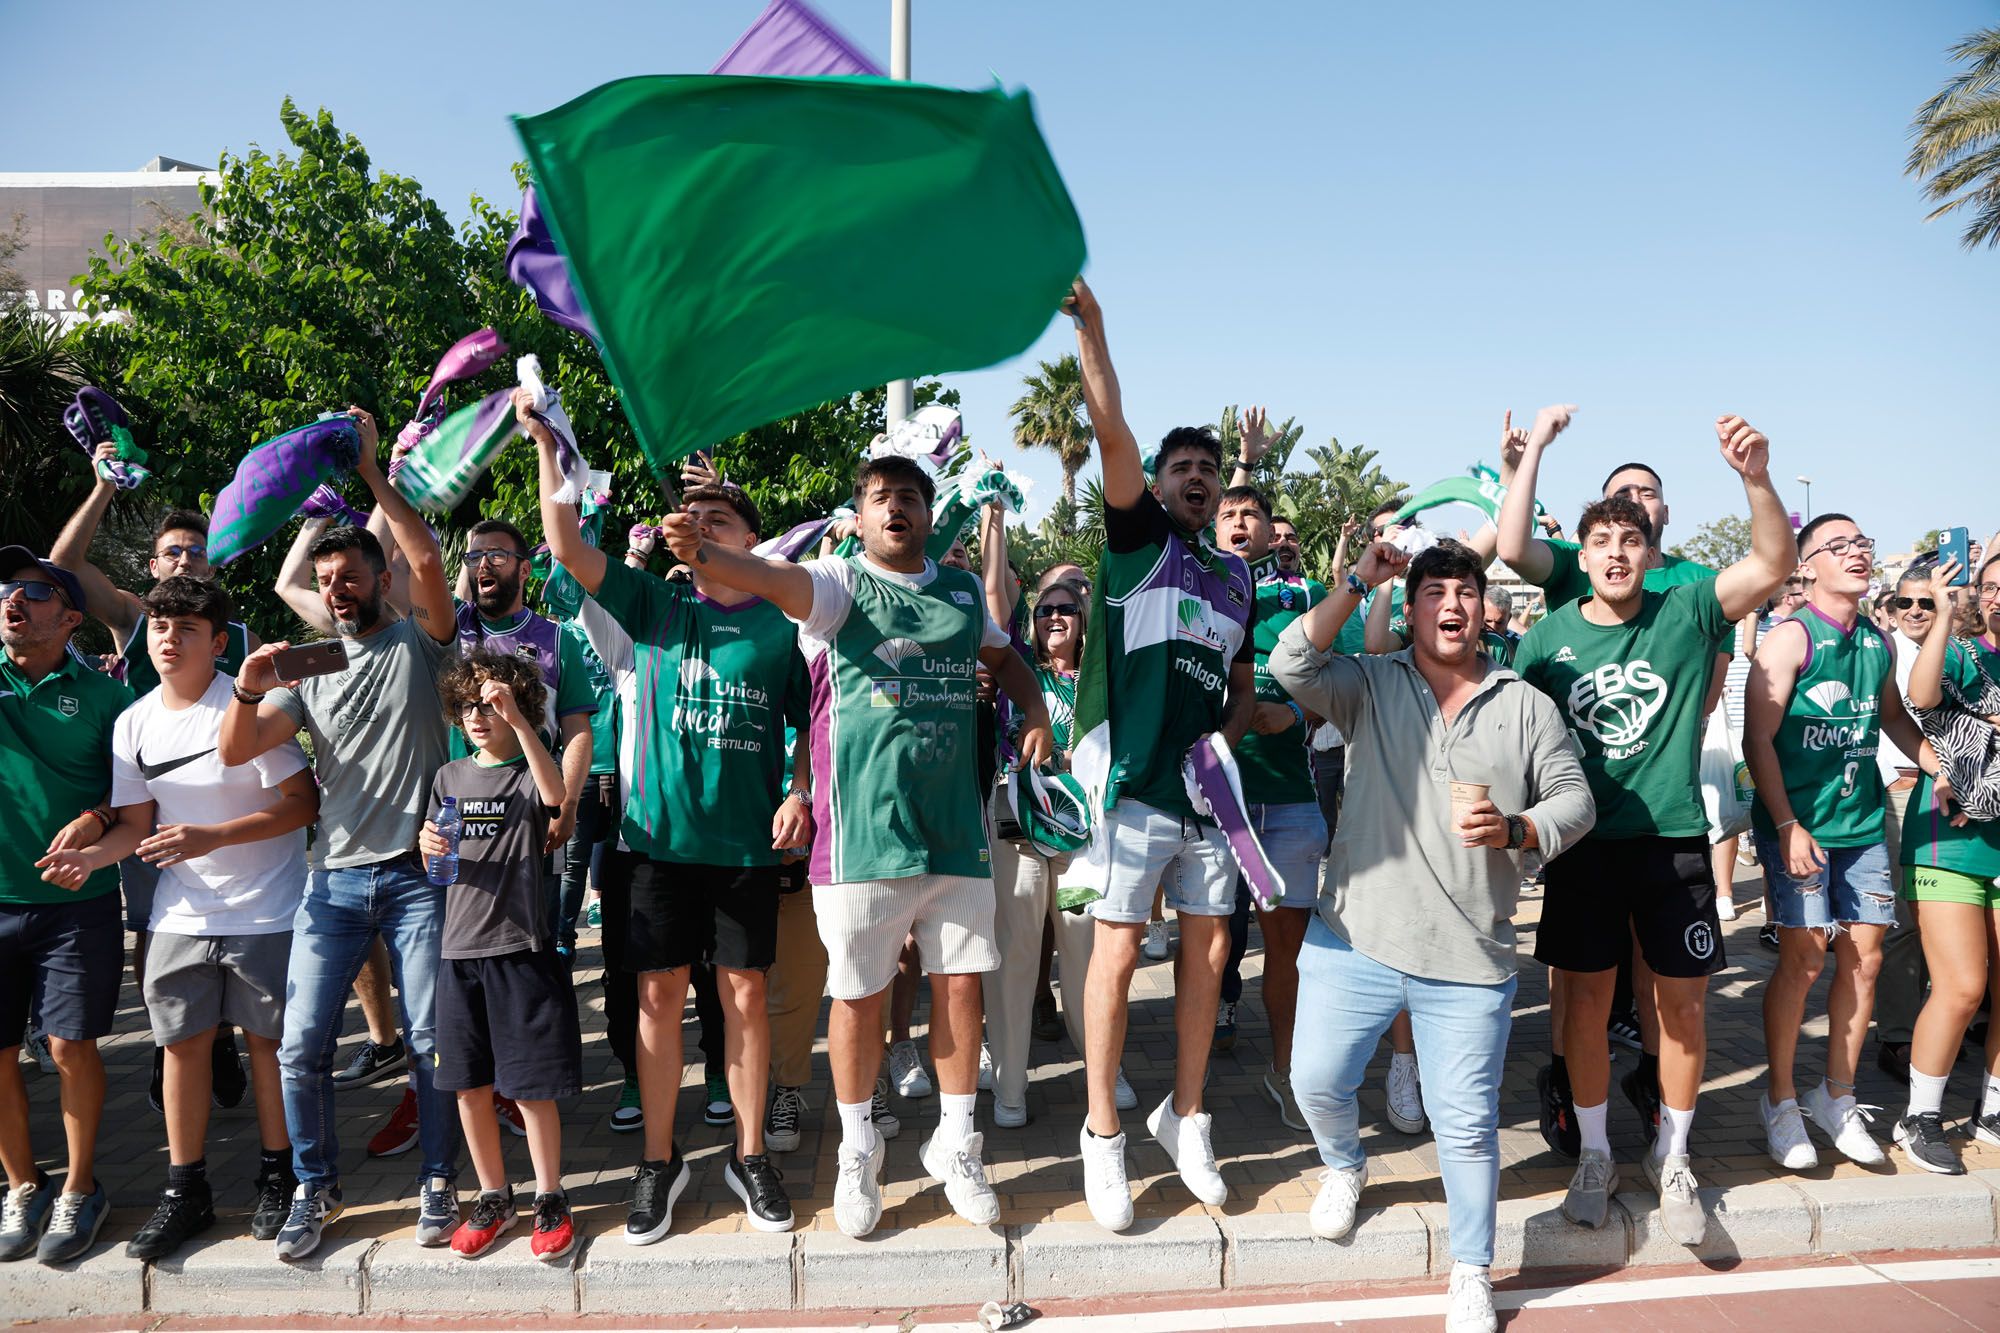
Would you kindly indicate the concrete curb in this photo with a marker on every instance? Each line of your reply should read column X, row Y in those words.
column 959, row 1265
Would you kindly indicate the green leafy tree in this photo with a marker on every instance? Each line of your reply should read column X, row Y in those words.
column 1265, row 471
column 1718, row 544
column 1957, row 148
column 1050, row 415
column 1345, row 484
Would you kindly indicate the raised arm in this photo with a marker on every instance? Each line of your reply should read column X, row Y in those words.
column 1774, row 552
column 119, row 610
column 1515, row 540
column 250, row 725
column 1322, row 624
column 561, row 526
column 1340, row 551
column 1256, row 443
column 296, row 584
column 1117, row 448
column 1003, row 590
column 1376, row 636
column 430, row 595
column 1926, row 687
column 780, row 582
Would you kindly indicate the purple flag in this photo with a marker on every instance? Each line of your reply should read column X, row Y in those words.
column 790, row 40
column 796, row 541
column 275, row 479
column 467, row 357
column 534, row 263
column 326, row 502
column 1216, row 789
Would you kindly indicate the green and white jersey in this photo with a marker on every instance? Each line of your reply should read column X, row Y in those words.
column 1277, row 770
column 138, row 662
column 705, row 692
column 1827, row 739
column 892, row 660
column 1930, row 839
column 1059, row 697
column 1632, row 695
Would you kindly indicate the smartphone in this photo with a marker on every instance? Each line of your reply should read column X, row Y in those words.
column 1956, row 544
column 310, row 659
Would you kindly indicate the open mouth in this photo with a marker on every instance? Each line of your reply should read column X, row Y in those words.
column 1239, row 542
column 15, row 617
column 1617, row 574
column 897, row 525
column 1195, row 496
column 1452, row 625
column 343, row 608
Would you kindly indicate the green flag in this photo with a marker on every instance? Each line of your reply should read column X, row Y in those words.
column 751, row 247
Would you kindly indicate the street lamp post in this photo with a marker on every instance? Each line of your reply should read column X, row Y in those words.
column 1807, row 483
column 902, row 393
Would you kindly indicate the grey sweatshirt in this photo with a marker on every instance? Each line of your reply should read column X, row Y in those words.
column 1399, row 886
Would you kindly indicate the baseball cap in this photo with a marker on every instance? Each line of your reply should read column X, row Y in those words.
column 14, row 559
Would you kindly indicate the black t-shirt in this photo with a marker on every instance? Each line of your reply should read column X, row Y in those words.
column 498, row 905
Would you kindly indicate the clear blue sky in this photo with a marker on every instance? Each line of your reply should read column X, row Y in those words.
column 1391, row 221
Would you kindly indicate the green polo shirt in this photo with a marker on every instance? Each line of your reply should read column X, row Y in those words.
column 55, row 762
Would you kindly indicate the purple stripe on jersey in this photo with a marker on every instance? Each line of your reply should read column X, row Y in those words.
column 825, row 778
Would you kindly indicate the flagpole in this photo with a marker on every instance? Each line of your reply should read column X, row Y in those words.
column 901, row 392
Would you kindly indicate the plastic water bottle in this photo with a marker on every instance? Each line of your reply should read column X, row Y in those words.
column 444, row 869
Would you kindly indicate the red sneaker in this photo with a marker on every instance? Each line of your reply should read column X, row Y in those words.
column 510, row 1115
column 399, row 1132
column 491, row 1216
column 555, row 1229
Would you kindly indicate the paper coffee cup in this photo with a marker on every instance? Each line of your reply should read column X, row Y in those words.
column 1465, row 795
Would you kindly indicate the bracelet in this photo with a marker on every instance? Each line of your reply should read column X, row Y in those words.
column 1355, row 585
column 101, row 817
column 1297, row 711
column 252, row 699
column 1787, row 824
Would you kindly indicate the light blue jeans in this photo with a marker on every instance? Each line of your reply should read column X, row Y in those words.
column 1346, row 1002
column 337, row 921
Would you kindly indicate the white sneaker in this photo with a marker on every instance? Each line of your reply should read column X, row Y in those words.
column 1186, row 1139
column 1846, row 1122
column 857, row 1193
column 1009, row 1117
column 1155, row 947
column 1339, row 1195
column 906, row 1071
column 1681, row 1214
column 1725, row 907
column 1122, row 1096
column 1471, row 1301
column 1406, row 1094
column 1785, row 1135
column 963, row 1176
column 1105, row 1188
column 985, row 1067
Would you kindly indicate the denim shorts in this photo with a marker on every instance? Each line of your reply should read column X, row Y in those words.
column 1151, row 849
column 1294, row 839
column 1862, row 891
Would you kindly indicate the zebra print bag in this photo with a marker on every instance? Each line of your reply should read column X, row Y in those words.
column 1967, row 745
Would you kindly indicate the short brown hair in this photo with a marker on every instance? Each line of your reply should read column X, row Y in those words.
column 729, row 493
column 459, row 685
column 1615, row 511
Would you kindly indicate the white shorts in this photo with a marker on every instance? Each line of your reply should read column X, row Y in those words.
column 1150, row 848
column 863, row 925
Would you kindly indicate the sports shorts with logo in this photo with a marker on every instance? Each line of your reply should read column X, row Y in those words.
column 1603, row 892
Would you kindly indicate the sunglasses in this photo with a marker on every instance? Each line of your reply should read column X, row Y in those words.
column 1050, row 609
column 176, row 552
column 478, row 558
column 1905, row 603
column 479, row 709
column 34, row 592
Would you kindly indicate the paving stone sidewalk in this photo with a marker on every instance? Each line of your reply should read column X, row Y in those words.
column 1046, row 1238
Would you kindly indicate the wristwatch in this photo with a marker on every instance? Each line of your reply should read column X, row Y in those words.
column 1517, row 833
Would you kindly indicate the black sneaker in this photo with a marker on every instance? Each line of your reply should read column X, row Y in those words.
column 181, row 1215
column 1767, row 935
column 229, row 1079
column 654, row 1189
column 1645, row 1099
column 1893, row 1059
column 1922, row 1137
column 1558, row 1120
column 156, row 1091
column 1623, row 1029
column 755, row 1181
column 274, row 1202
column 372, row 1064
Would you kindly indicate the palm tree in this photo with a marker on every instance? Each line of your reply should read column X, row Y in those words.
column 1050, row 415
column 1957, row 132
column 1344, row 483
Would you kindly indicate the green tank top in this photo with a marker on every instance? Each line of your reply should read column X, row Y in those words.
column 895, row 733
column 1826, row 743
column 139, row 673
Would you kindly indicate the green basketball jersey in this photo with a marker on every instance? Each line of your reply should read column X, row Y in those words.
column 1930, row 839
column 1059, row 696
column 1277, row 770
column 895, row 733
column 1827, row 740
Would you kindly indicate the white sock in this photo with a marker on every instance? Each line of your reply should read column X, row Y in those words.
column 1991, row 1101
column 955, row 1116
column 1926, row 1093
column 1674, row 1129
column 1590, row 1127
column 857, row 1127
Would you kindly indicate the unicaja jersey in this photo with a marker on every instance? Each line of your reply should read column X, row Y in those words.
column 1632, row 695
column 1827, row 739
column 1275, row 769
column 704, row 694
column 1059, row 696
column 895, row 735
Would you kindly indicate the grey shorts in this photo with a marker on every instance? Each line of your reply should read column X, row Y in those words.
column 1150, row 849
column 194, row 982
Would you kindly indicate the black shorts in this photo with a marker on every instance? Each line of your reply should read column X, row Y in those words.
column 509, row 1021
column 671, row 915
column 1603, row 893
column 61, row 962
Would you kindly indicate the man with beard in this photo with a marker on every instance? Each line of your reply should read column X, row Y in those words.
column 378, row 737
column 1630, row 667
column 59, row 943
column 1180, row 612
column 892, row 642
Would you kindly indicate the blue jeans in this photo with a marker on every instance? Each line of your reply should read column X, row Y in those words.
column 1854, row 888
column 1346, row 1002
column 341, row 914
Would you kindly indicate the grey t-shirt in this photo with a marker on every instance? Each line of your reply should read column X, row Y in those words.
column 498, row 905
column 378, row 734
